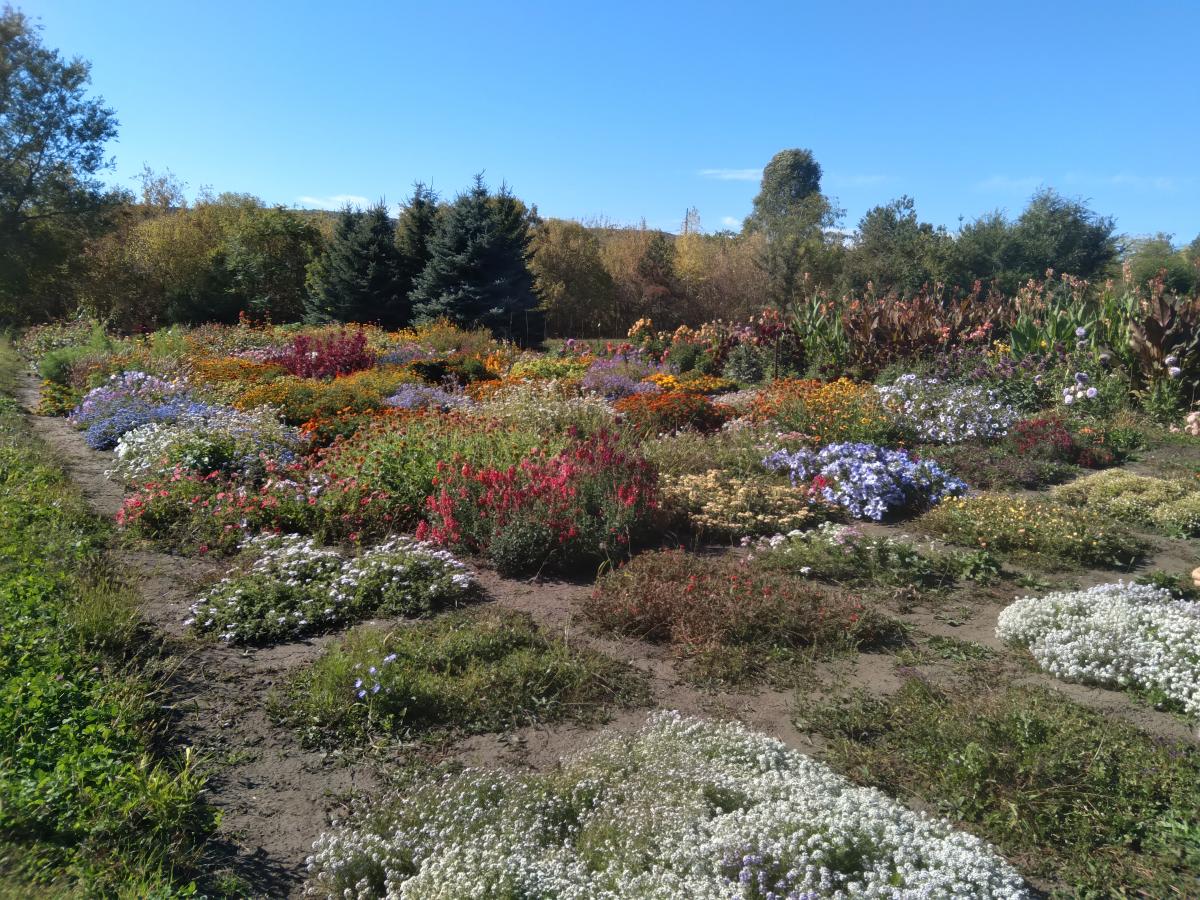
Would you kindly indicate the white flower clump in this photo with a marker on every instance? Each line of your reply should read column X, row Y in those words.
column 684, row 808
column 549, row 406
column 945, row 413
column 1116, row 635
column 294, row 587
column 239, row 442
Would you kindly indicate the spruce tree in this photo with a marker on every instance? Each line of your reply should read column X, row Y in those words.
column 358, row 279
column 416, row 225
column 477, row 274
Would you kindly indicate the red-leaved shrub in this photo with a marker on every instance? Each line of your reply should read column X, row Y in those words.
column 337, row 354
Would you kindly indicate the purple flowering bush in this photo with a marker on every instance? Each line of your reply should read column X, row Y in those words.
column 427, row 396
column 621, row 376
column 131, row 400
column 866, row 480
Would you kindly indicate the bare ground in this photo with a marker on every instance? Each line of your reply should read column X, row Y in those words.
column 276, row 796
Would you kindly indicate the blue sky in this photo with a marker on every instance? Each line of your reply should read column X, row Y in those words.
column 639, row 110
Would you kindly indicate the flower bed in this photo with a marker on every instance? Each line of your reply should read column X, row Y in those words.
column 820, row 412
column 1049, row 532
column 1171, row 507
column 936, row 412
column 129, row 401
column 720, row 504
column 242, row 444
column 683, row 808
column 292, row 588
column 1116, row 635
column 867, row 481
column 589, row 502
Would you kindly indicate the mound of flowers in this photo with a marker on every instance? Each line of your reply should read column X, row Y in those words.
column 230, row 441
column 819, row 412
column 1116, row 635
column 1172, row 507
column 723, row 504
column 129, row 401
column 683, row 808
column 588, row 502
column 292, row 587
column 937, row 412
column 650, row 414
column 866, row 480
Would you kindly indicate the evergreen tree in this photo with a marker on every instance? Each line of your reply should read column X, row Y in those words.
column 358, row 279
column 416, row 225
column 477, row 273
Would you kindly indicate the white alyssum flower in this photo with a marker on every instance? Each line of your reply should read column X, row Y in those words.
column 683, row 808
column 294, row 587
column 1115, row 635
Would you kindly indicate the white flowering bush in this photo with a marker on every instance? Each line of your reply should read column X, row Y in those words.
column 1115, row 635
column 944, row 413
column 231, row 441
column 292, row 588
column 548, row 406
column 684, row 808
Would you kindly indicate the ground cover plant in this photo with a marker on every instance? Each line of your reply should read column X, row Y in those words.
column 1086, row 802
column 1169, row 506
column 1043, row 531
column 843, row 553
column 86, row 805
column 1117, row 635
column 683, row 808
column 290, row 588
column 732, row 621
column 460, row 673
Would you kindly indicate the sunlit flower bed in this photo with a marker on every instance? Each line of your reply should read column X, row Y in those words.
column 292, row 588
column 1116, row 635
column 683, row 808
column 941, row 413
column 866, row 480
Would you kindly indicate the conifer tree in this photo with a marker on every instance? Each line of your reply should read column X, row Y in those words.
column 477, row 273
column 416, row 225
column 358, row 279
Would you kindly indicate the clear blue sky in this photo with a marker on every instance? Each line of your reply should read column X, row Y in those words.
column 640, row 110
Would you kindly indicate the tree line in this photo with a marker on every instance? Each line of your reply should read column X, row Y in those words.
column 483, row 258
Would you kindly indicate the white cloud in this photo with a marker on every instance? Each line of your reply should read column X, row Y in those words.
column 1007, row 183
column 337, row 201
column 731, row 174
column 731, row 221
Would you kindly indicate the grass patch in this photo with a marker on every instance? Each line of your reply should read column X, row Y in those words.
column 728, row 619
column 462, row 673
column 1094, row 805
column 1042, row 532
column 85, row 807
